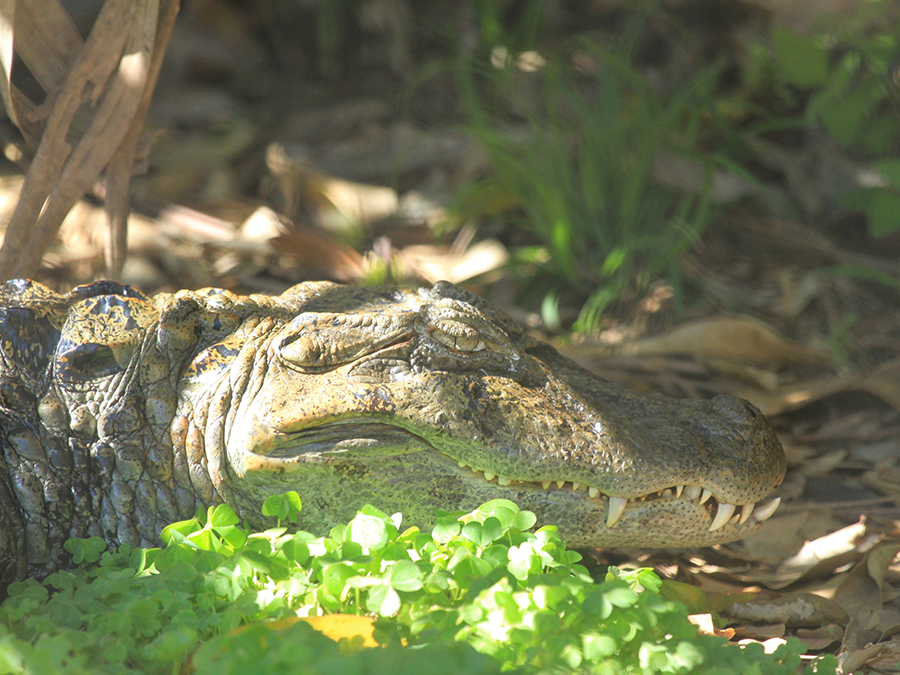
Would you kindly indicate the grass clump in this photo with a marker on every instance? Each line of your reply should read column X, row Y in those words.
column 482, row 593
column 575, row 155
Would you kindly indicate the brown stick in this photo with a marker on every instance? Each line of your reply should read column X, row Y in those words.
column 112, row 68
column 119, row 170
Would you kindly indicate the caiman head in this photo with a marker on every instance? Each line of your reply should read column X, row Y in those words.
column 421, row 400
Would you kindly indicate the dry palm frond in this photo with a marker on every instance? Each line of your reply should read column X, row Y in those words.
column 97, row 94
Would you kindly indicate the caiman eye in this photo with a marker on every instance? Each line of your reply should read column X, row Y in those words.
column 458, row 336
column 303, row 351
column 320, row 341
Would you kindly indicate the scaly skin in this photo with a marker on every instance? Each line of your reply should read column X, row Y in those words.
column 120, row 414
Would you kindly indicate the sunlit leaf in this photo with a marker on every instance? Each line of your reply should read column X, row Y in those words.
column 370, row 532
column 404, row 575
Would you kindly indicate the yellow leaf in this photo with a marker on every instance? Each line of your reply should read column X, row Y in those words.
column 334, row 626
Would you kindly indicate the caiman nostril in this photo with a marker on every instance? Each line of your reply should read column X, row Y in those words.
column 733, row 408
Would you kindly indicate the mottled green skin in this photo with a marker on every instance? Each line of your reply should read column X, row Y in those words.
column 121, row 413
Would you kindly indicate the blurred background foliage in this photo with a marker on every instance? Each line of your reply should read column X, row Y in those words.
column 603, row 118
column 606, row 138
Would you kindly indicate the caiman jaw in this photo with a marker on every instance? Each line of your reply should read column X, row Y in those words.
column 725, row 513
column 615, row 506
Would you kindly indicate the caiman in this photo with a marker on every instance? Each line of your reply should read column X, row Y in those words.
column 121, row 413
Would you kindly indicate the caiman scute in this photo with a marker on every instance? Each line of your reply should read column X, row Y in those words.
column 121, row 413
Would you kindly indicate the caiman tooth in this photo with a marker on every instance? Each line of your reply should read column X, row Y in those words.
column 593, row 492
column 546, row 484
column 678, row 490
column 503, row 480
column 707, row 493
column 692, row 492
column 462, row 464
column 560, row 483
column 489, row 476
column 746, row 512
column 722, row 516
column 576, row 486
column 764, row 512
column 616, row 509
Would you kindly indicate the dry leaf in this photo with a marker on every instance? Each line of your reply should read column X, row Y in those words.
column 706, row 626
column 789, row 531
column 823, row 463
column 884, row 382
column 887, row 660
column 33, row 25
column 851, row 661
column 334, row 626
column 759, row 633
column 739, row 340
column 820, row 556
column 434, row 263
column 306, row 188
column 887, row 621
column 320, row 253
column 822, row 637
column 769, row 646
column 860, row 591
column 338, row 626
column 885, row 478
column 795, row 396
column 795, row 609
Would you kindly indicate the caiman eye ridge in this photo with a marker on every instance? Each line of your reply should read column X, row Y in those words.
column 725, row 513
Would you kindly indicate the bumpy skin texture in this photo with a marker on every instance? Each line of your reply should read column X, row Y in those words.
column 120, row 414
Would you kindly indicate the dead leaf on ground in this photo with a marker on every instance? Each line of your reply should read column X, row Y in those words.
column 824, row 463
column 850, row 662
column 706, row 626
column 821, row 637
column 793, row 609
column 307, row 251
column 759, row 633
column 884, row 382
column 358, row 630
column 434, row 263
column 312, row 196
column 337, row 626
column 860, row 594
column 884, row 477
column 321, row 254
column 737, row 340
column 815, row 559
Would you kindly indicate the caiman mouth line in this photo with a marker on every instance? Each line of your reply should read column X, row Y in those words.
column 381, row 432
column 335, row 437
column 726, row 514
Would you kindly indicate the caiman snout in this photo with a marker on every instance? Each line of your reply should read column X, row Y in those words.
column 437, row 401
